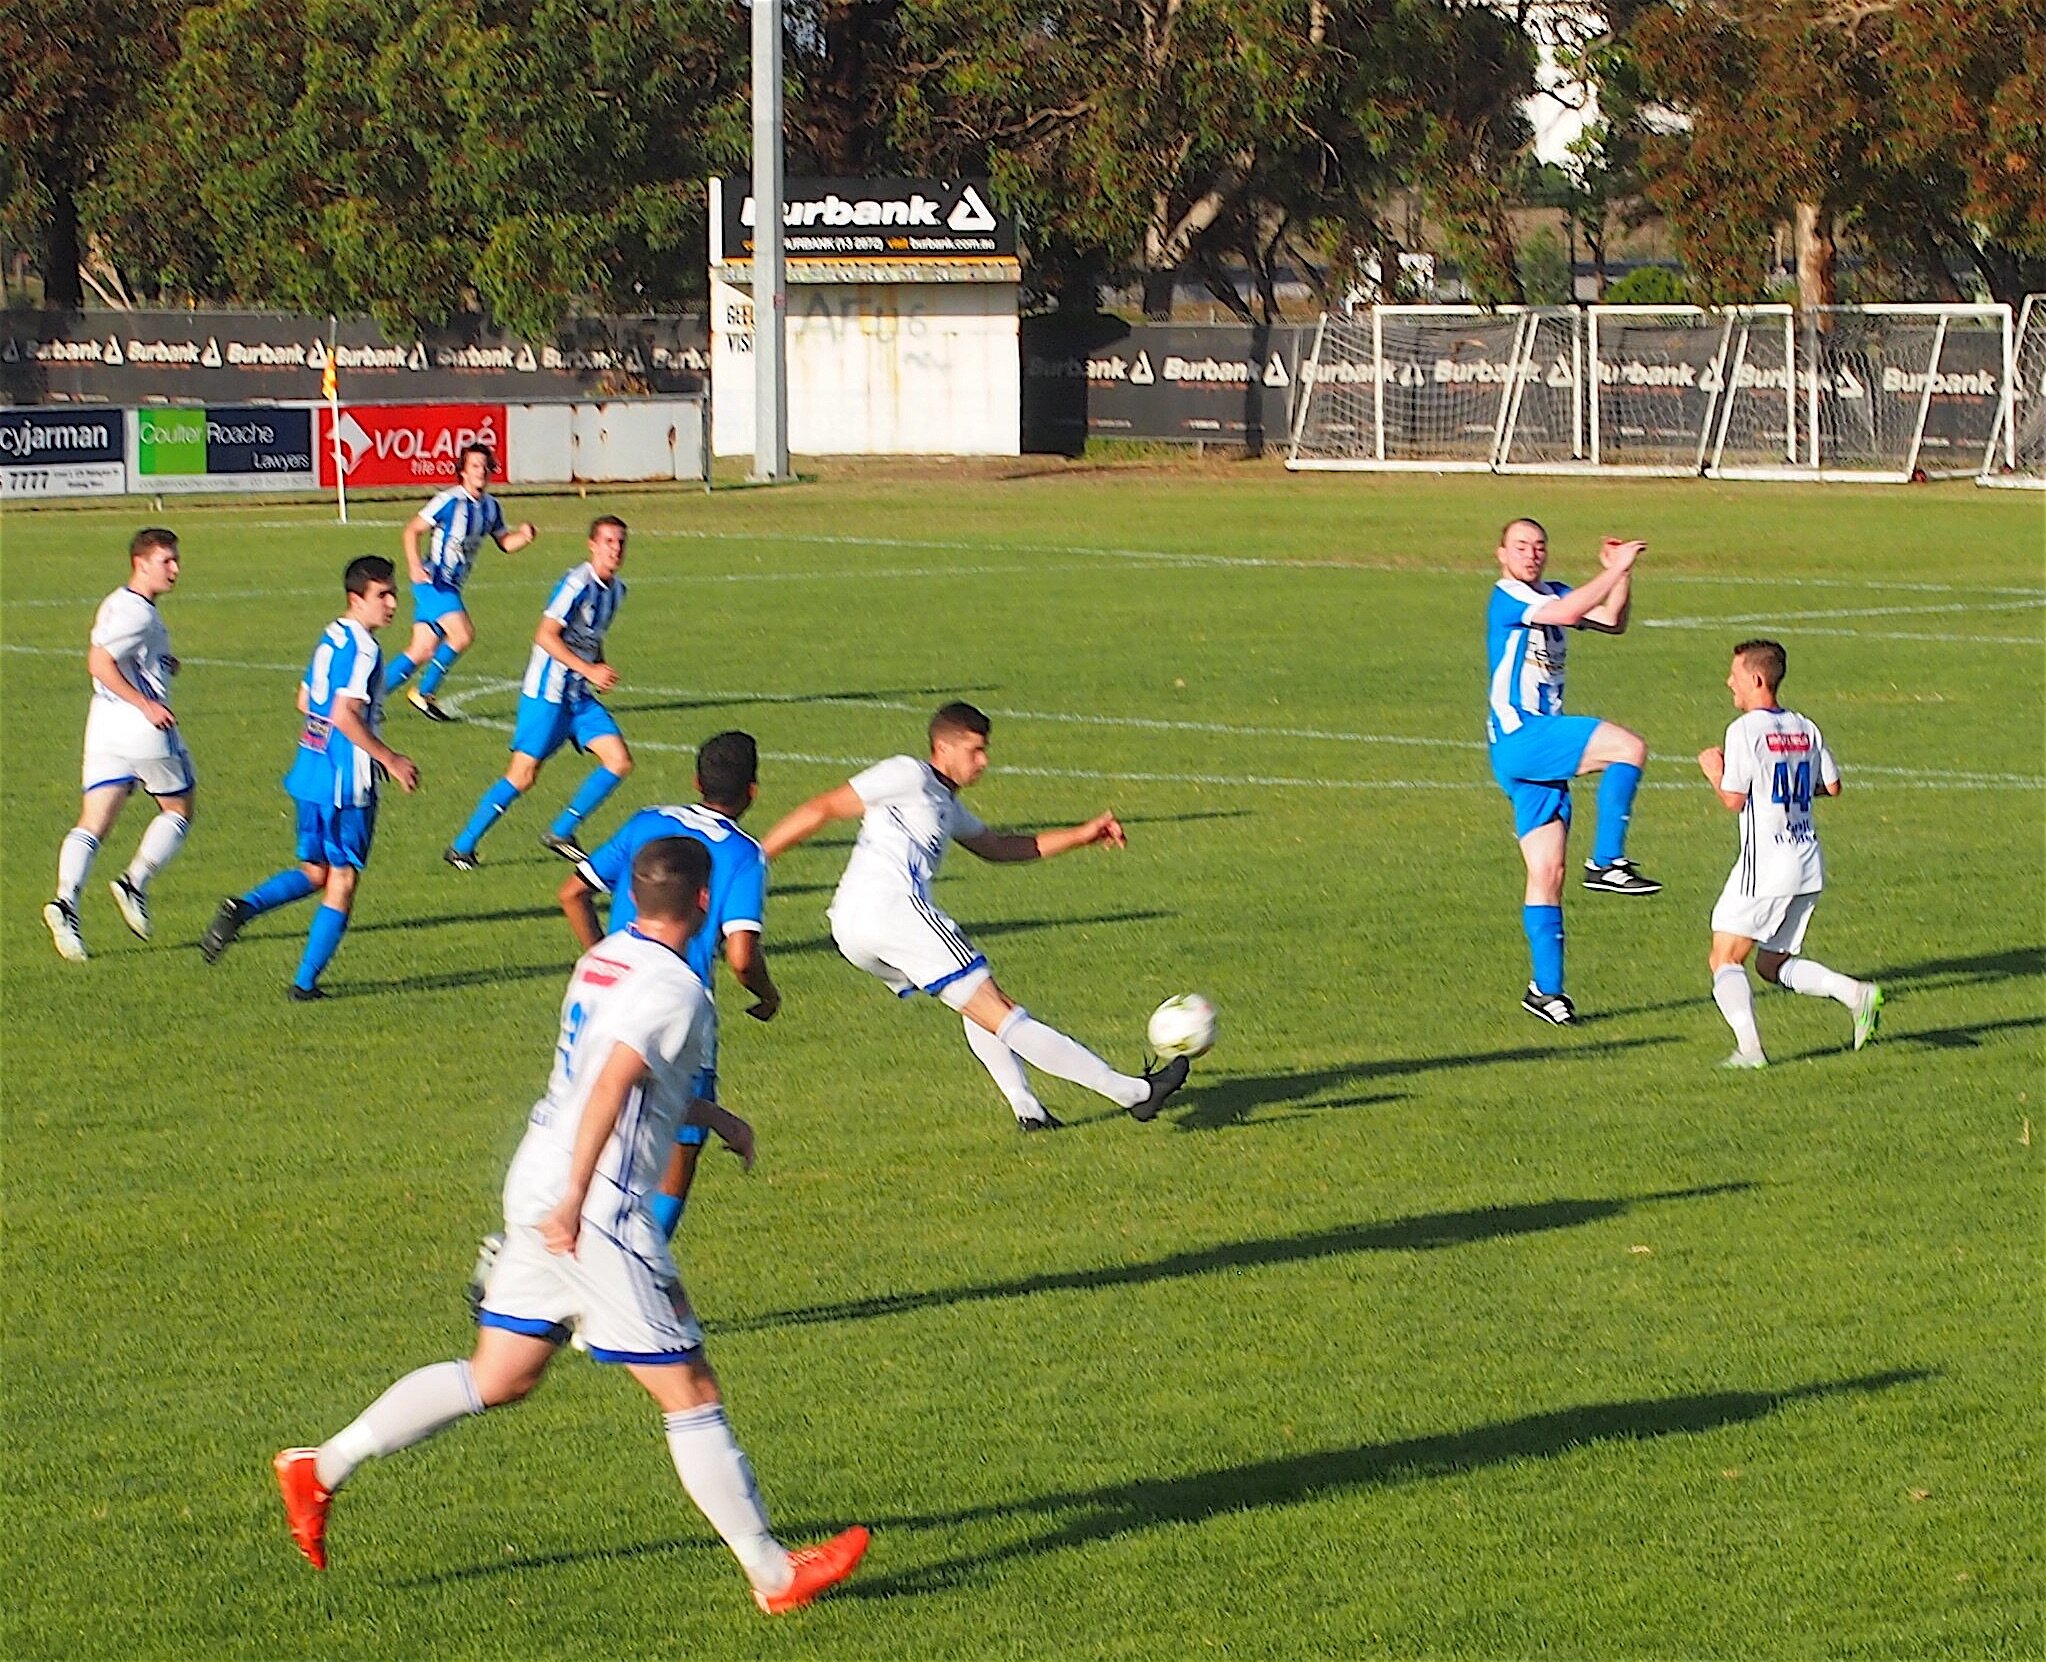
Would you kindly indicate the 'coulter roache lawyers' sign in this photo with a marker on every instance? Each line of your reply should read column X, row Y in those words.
column 898, row 221
column 223, row 447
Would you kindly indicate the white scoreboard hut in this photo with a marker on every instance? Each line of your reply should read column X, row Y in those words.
column 902, row 331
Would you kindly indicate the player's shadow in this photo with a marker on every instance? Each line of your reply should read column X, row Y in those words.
column 1928, row 975
column 858, row 697
column 1183, row 819
column 984, row 931
column 1081, row 1517
column 517, row 914
column 491, row 975
column 1231, row 1100
column 1968, row 1037
column 1425, row 1232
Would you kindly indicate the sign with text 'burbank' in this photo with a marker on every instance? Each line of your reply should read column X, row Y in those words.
column 897, row 221
column 408, row 444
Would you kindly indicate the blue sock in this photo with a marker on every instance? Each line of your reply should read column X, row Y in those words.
column 600, row 784
column 1615, row 808
column 436, row 670
column 329, row 923
column 1544, row 927
column 280, row 890
column 499, row 797
column 667, row 1212
column 398, row 673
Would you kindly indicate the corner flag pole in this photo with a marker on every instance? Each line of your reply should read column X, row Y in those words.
column 330, row 390
column 770, row 285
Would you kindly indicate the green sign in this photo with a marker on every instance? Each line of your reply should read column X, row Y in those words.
column 171, row 441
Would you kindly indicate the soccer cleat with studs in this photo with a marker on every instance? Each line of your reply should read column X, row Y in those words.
column 60, row 917
column 305, row 1502
column 305, row 995
column 462, row 859
column 1742, row 1060
column 227, row 923
column 426, row 704
column 133, row 906
column 1621, row 877
column 816, row 1570
column 1163, row 1081
column 567, row 847
column 1868, row 1014
column 1552, row 1008
column 1046, row 1121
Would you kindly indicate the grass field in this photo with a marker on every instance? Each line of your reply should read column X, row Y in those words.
column 1414, row 1328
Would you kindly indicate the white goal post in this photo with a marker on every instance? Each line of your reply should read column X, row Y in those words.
column 2016, row 456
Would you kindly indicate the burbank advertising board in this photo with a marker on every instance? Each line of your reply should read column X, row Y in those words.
column 408, row 444
column 222, row 448
column 62, row 453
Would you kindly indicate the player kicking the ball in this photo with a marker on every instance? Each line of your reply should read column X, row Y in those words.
column 886, row 923
column 1537, row 749
column 581, row 1251
column 1772, row 765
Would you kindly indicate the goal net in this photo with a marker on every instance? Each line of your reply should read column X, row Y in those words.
column 1656, row 373
column 1545, row 430
column 1904, row 392
column 1407, row 387
column 1756, row 430
column 2017, row 450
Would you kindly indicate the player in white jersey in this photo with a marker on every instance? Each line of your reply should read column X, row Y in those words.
column 559, row 703
column 456, row 522
column 1773, row 764
column 131, row 738
column 886, row 922
column 581, row 1250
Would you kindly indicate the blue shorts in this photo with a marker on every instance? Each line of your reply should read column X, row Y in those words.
column 543, row 728
column 329, row 836
column 705, row 1085
column 433, row 601
column 1535, row 764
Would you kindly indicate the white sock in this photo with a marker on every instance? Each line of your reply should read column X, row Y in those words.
column 165, row 836
column 1000, row 1061
column 1736, row 1001
column 1049, row 1049
column 1801, row 975
column 719, row 1479
column 74, row 863
column 423, row 1402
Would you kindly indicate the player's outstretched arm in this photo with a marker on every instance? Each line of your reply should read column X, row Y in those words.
column 347, row 719
column 623, row 1069
column 579, row 906
column 1609, row 617
column 805, row 822
column 1587, row 606
column 517, row 537
column 1005, row 847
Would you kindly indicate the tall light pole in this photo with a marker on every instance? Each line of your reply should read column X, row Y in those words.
column 770, row 283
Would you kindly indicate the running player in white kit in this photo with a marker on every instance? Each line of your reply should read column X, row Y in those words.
column 131, row 738
column 1772, row 765
column 885, row 921
column 581, row 1250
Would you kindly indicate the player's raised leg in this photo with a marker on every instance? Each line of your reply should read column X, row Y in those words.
column 1620, row 756
column 1042, row 1046
column 1863, row 999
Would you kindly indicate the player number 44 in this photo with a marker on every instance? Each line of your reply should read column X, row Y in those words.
column 1793, row 787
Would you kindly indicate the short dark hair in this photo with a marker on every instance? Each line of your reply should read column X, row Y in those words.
column 1522, row 520
column 609, row 519
column 489, row 459
column 150, row 538
column 1766, row 658
column 668, row 876
column 727, row 765
column 366, row 569
column 959, row 717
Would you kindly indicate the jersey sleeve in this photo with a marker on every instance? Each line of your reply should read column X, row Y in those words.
column 566, row 593
column 887, row 781
column 965, row 822
column 361, row 670
column 494, row 524
column 746, row 903
column 1515, row 602
column 1739, row 776
column 118, row 628
column 440, row 509
column 1829, row 769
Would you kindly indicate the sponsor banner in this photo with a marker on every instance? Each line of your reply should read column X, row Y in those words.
column 62, row 453
column 222, row 448
column 900, row 221
column 409, row 444
column 1226, row 383
column 193, row 358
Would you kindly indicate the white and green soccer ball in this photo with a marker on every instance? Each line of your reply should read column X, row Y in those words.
column 1182, row 1026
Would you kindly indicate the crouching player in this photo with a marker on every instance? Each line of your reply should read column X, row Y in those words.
column 1772, row 765
column 581, row 1249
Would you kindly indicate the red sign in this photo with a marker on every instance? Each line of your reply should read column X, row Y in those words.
column 407, row 444
column 1780, row 742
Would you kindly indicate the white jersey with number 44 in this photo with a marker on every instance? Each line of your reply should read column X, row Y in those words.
column 1780, row 761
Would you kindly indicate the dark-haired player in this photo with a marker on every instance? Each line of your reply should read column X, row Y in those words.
column 333, row 779
column 886, row 922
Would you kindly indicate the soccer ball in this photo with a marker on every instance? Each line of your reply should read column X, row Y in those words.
column 1182, row 1026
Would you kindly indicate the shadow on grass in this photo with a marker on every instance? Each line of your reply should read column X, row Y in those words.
column 1426, row 1232
column 1184, row 819
column 1081, row 1517
column 1231, row 1100
column 984, row 931
column 861, row 697
column 1968, row 1037
column 490, row 975
column 519, row 914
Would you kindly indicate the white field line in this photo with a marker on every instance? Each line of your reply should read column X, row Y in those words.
column 459, row 701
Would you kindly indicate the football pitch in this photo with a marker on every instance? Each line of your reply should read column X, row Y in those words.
column 1413, row 1327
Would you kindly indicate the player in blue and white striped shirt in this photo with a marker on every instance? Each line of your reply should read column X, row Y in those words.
column 1537, row 749
column 558, row 702
column 333, row 779
column 457, row 521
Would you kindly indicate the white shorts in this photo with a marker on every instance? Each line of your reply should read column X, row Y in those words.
column 1774, row 922
column 161, row 770
column 913, row 947
column 628, row 1303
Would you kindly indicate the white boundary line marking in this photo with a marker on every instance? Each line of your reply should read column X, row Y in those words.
column 1915, row 778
